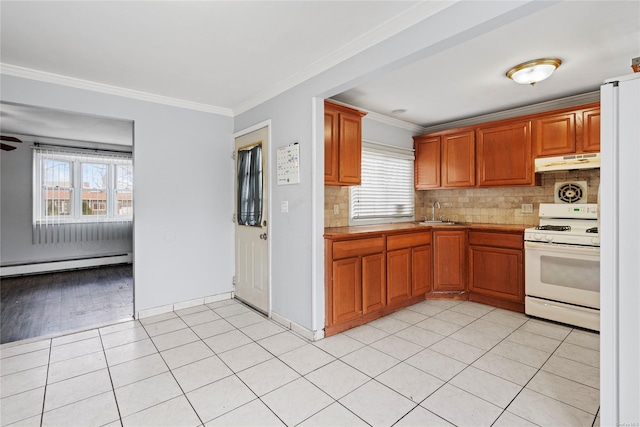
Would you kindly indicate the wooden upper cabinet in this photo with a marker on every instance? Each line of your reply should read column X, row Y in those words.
column 350, row 152
column 331, row 136
column 458, row 159
column 589, row 131
column 427, row 162
column 569, row 131
column 342, row 145
column 555, row 134
column 503, row 155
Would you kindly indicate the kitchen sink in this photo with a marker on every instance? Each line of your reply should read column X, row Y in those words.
column 436, row 222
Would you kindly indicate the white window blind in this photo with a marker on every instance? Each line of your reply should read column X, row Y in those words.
column 386, row 193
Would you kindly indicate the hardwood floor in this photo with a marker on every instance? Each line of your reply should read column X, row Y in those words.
column 45, row 304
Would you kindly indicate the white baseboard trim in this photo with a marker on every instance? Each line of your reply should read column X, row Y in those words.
column 298, row 329
column 46, row 267
column 184, row 304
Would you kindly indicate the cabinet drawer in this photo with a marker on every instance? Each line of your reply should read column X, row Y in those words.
column 502, row 240
column 402, row 241
column 358, row 247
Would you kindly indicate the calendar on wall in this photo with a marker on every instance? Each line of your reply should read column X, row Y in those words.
column 288, row 163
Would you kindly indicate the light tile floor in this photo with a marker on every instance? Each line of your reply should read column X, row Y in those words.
column 432, row 364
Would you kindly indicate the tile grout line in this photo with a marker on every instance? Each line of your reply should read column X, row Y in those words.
column 46, row 383
column 101, row 335
column 113, row 388
column 171, row 371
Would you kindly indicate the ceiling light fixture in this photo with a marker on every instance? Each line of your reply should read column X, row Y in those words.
column 532, row 72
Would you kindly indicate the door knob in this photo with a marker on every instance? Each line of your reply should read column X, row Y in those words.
column 263, row 236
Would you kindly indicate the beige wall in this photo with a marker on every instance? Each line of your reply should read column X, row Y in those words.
column 475, row 205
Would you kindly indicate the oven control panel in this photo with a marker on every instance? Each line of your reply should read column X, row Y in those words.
column 567, row 210
column 559, row 237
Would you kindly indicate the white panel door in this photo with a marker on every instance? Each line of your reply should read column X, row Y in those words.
column 251, row 231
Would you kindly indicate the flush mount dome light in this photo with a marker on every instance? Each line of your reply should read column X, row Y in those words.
column 532, row 72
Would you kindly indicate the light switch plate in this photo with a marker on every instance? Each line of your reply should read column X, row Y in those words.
column 336, row 209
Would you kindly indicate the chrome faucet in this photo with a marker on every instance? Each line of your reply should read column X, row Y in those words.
column 433, row 209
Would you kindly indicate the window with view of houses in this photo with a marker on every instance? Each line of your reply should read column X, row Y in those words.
column 77, row 186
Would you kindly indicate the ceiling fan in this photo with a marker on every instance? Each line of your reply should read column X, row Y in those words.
column 7, row 147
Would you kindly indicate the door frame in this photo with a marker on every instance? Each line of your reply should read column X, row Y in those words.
column 268, row 186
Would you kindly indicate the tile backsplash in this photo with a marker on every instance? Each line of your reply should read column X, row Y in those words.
column 475, row 205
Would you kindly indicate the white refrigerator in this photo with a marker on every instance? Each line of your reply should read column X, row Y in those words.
column 620, row 251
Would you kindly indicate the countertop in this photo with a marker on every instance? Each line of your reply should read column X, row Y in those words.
column 365, row 230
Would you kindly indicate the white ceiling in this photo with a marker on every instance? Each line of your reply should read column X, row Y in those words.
column 595, row 40
column 226, row 56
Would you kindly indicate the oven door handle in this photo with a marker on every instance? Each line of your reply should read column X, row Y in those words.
column 562, row 247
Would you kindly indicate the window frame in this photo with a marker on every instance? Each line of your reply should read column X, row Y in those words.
column 76, row 160
column 405, row 154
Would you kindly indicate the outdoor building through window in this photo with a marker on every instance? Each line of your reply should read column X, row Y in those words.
column 386, row 193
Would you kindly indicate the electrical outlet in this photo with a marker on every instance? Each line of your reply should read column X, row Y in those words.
column 284, row 206
column 336, row 210
column 526, row 208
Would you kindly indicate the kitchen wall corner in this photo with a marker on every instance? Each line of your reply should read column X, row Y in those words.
column 336, row 195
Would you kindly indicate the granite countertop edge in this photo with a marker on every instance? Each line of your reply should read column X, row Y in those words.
column 400, row 227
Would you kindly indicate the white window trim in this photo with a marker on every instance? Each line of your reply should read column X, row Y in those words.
column 76, row 216
column 406, row 153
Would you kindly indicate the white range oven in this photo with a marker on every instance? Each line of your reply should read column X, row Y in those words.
column 562, row 265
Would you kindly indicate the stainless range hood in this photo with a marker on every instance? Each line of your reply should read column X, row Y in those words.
column 567, row 163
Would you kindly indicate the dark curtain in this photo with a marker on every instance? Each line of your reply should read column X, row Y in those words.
column 250, row 186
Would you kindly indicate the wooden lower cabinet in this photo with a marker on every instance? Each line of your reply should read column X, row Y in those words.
column 421, row 273
column 408, row 266
column 449, row 261
column 374, row 287
column 398, row 275
column 347, row 291
column 496, row 273
column 369, row 277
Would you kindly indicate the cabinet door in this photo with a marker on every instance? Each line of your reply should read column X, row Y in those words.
column 458, row 160
column 496, row 272
column 373, row 283
column 398, row 275
column 331, row 135
column 504, row 155
column 449, row 261
column 421, row 270
column 590, row 130
column 350, row 149
column 555, row 134
column 427, row 163
column 347, row 291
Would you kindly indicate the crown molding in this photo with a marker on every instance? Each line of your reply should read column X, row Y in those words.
column 398, row 23
column 394, row 122
column 556, row 104
column 384, row 119
column 393, row 26
column 28, row 73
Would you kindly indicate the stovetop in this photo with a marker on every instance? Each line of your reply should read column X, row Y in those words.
column 565, row 223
